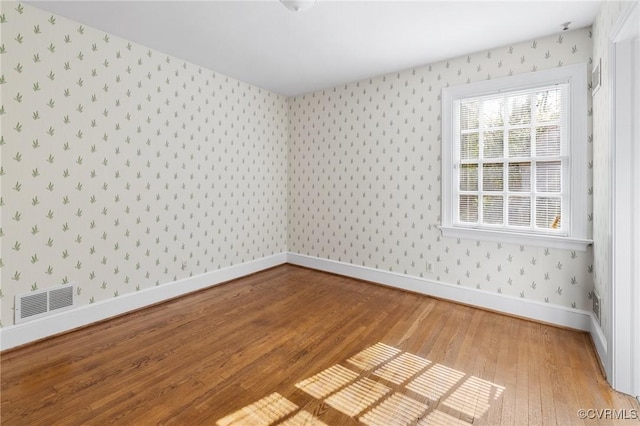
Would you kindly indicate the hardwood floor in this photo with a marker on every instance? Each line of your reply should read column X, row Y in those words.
column 298, row 346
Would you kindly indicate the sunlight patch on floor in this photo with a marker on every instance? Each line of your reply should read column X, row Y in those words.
column 327, row 381
column 353, row 399
column 264, row 412
column 398, row 409
column 435, row 382
column 392, row 388
column 373, row 356
column 438, row 418
column 402, row 368
column 303, row 418
column 474, row 397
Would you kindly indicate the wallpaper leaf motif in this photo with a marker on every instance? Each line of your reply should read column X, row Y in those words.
column 125, row 168
column 142, row 169
column 364, row 179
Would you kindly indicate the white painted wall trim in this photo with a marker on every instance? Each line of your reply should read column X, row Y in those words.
column 623, row 369
column 24, row 333
column 599, row 340
column 544, row 312
column 27, row 332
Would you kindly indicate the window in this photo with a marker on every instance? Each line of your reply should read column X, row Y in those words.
column 514, row 159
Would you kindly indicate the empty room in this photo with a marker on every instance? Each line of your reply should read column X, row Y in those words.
column 315, row 212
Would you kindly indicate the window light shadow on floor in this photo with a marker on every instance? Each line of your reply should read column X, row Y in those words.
column 380, row 386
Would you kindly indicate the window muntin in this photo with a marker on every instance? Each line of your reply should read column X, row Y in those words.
column 510, row 160
column 527, row 205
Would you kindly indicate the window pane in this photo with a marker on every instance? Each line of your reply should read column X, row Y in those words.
column 493, row 144
column 492, row 112
column 519, row 209
column 548, row 140
column 520, row 177
column 519, row 109
column 492, row 177
column 469, row 208
column 469, row 177
column 492, row 209
column 469, row 146
column 519, row 143
column 548, row 105
column 548, row 212
column 513, row 146
column 549, row 176
column 469, row 115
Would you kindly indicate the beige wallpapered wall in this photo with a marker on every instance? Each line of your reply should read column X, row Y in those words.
column 364, row 179
column 123, row 168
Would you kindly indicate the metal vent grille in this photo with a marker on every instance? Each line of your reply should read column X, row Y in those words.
column 60, row 298
column 41, row 303
column 33, row 304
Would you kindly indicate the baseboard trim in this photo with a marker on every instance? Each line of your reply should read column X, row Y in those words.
column 542, row 312
column 599, row 341
column 17, row 335
column 20, row 334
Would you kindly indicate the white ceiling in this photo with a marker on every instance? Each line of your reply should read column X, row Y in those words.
column 334, row 42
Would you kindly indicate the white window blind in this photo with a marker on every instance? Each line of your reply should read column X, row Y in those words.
column 514, row 159
column 511, row 165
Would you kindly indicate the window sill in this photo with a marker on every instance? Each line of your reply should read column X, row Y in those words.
column 548, row 241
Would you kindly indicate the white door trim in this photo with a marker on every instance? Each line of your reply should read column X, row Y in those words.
column 623, row 352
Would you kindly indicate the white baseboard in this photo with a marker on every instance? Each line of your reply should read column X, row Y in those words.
column 16, row 335
column 600, row 342
column 544, row 312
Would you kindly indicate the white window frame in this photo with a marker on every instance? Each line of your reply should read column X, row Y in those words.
column 575, row 235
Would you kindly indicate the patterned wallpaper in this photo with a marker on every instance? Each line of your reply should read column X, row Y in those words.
column 609, row 12
column 364, row 179
column 123, row 168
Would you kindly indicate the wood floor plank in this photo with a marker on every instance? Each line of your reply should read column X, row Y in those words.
column 242, row 351
column 505, row 372
column 549, row 416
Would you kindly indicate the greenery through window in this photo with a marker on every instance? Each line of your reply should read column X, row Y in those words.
column 511, row 163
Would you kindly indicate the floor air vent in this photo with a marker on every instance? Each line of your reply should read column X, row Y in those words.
column 41, row 303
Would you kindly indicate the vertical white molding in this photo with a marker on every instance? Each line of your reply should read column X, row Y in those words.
column 623, row 349
column 599, row 341
column 447, row 148
column 578, row 154
column 635, row 254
